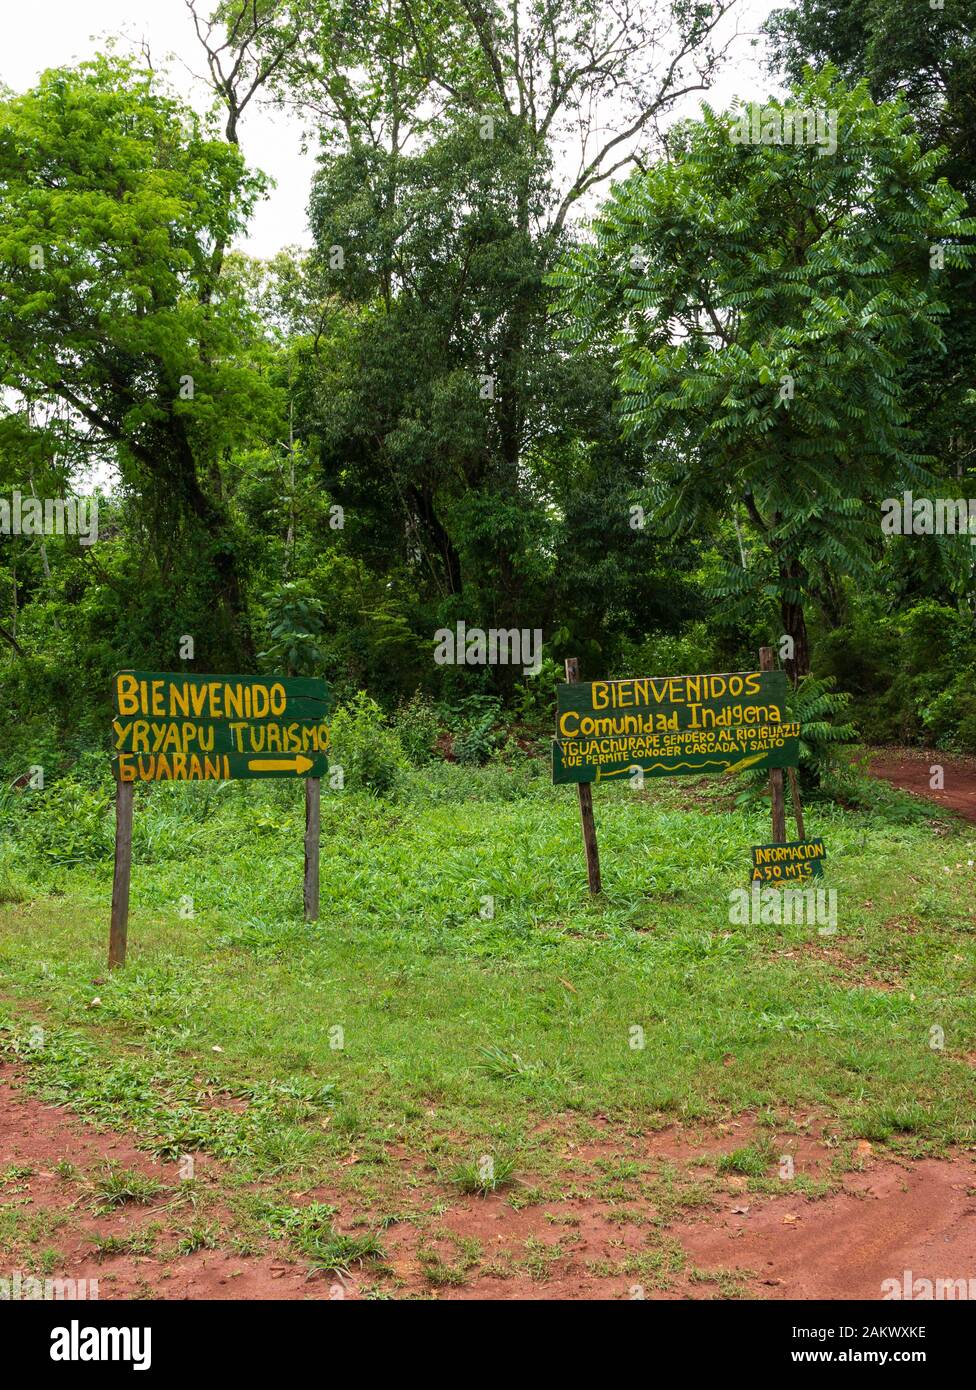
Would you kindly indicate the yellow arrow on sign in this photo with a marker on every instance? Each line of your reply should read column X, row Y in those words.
column 298, row 764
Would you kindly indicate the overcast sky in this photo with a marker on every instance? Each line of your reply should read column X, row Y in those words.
column 49, row 33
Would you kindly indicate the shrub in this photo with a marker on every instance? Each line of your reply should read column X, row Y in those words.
column 912, row 677
column 950, row 718
column 13, row 888
column 817, row 707
column 68, row 824
column 416, row 726
column 473, row 726
column 534, row 698
column 365, row 747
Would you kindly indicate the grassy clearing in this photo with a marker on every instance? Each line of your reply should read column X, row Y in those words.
column 461, row 987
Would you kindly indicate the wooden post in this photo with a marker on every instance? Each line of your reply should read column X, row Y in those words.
column 586, row 804
column 313, row 791
column 776, row 792
column 797, row 808
column 119, row 932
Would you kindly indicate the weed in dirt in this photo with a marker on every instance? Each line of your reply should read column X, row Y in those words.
column 141, row 1242
column 311, row 1233
column 114, row 1186
column 16, row 1173
column 486, row 1175
column 200, row 1236
column 751, row 1161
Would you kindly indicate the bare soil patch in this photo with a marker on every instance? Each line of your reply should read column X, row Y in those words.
column 653, row 1215
column 910, row 770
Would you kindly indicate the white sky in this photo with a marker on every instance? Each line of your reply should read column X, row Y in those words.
column 50, row 33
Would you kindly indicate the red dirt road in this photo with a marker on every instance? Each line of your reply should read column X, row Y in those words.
column 918, row 1216
column 911, row 770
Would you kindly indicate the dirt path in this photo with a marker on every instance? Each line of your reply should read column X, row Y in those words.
column 911, row 769
column 702, row 1234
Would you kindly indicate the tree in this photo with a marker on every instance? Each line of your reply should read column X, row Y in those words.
column 116, row 205
column 926, row 54
column 459, row 139
column 765, row 300
column 923, row 53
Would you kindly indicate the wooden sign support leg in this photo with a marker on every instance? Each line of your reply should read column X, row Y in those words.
column 119, row 933
column 586, row 805
column 797, row 808
column 313, row 790
column 776, row 791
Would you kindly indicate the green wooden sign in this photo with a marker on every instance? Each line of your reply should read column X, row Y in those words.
column 171, row 727
column 673, row 725
column 791, row 862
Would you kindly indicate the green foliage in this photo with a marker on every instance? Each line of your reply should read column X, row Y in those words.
column 13, row 888
column 924, row 55
column 328, row 458
column 534, row 698
column 473, row 723
column 417, row 726
column 910, row 675
column 765, row 302
column 365, row 747
column 68, row 824
column 116, row 207
column 295, row 624
column 818, row 707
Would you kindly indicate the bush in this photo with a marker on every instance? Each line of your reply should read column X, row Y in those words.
column 816, row 707
column 950, row 718
column 912, row 677
column 371, row 756
column 13, row 888
column 67, row 824
column 416, row 726
column 473, row 728
column 534, row 698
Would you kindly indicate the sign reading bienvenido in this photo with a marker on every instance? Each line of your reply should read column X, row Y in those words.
column 172, row 727
column 673, row 725
column 788, row 863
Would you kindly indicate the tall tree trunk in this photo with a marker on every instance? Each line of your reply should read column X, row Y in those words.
column 794, row 623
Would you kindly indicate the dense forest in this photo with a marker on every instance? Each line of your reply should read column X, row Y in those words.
column 640, row 383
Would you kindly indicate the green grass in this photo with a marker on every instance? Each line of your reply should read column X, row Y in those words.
column 488, row 1174
column 311, row 1232
column 407, row 1033
column 114, row 1186
column 133, row 1243
column 752, row 1161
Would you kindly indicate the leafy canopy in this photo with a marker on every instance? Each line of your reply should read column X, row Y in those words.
column 762, row 301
